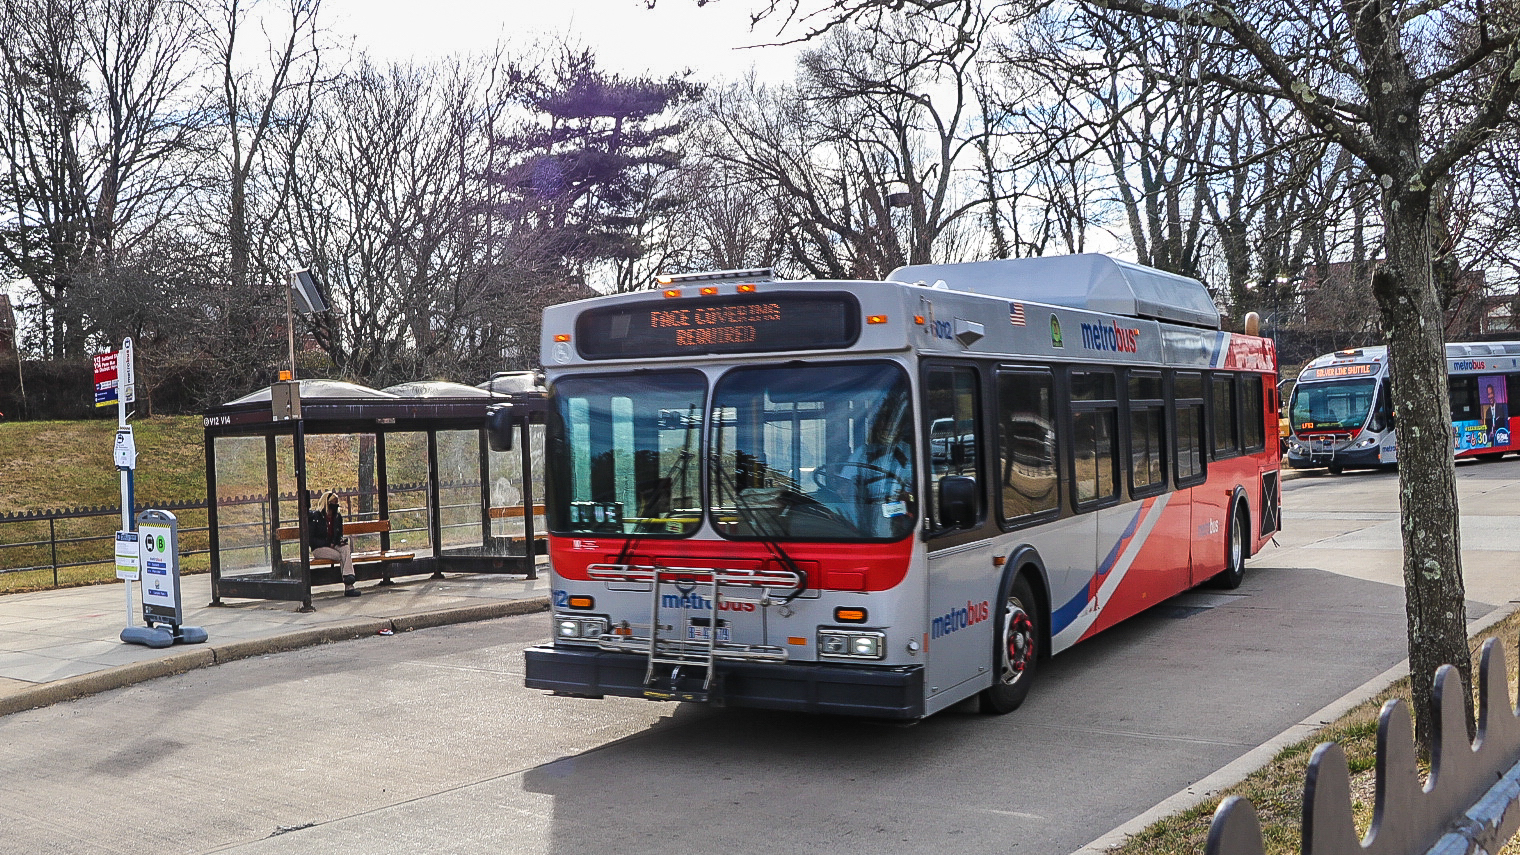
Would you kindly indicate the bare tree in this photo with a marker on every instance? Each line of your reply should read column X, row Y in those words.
column 874, row 154
column 379, row 205
column 265, row 62
column 97, row 113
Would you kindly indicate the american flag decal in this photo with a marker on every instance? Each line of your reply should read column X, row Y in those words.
column 1016, row 314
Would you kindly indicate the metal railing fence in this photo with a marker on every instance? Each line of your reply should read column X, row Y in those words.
column 55, row 540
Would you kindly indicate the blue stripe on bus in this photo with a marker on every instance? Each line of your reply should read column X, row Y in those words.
column 1062, row 617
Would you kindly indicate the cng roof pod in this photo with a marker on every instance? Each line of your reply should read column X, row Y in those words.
column 1090, row 281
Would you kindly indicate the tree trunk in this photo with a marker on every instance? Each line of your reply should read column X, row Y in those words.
column 1411, row 317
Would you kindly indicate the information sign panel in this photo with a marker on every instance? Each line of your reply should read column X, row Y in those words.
column 105, row 379
column 126, row 376
column 158, row 532
column 128, row 561
column 125, row 450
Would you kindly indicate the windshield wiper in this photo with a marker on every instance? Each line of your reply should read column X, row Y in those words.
column 742, row 505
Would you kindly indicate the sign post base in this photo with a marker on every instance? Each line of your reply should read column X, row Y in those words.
column 163, row 636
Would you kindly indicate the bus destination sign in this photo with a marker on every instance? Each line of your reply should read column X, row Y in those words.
column 1340, row 371
column 748, row 324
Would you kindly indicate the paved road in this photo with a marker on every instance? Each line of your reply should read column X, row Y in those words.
column 428, row 741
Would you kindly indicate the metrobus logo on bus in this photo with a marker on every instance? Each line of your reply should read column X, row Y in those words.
column 1111, row 337
column 958, row 619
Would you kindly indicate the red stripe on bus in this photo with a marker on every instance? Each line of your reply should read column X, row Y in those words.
column 830, row 566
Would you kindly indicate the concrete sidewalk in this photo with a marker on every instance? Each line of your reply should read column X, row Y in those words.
column 57, row 645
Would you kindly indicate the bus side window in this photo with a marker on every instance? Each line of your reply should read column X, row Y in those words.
column 1226, row 444
column 1252, row 418
column 1026, row 444
column 1188, row 456
column 1095, row 432
column 1382, row 411
column 951, row 414
column 1464, row 398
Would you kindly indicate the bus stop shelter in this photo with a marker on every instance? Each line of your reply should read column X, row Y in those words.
column 420, row 489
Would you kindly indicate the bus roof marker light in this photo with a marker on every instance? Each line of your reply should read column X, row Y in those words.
column 756, row 274
column 919, row 319
column 746, row 289
column 876, row 319
column 709, row 291
column 672, row 292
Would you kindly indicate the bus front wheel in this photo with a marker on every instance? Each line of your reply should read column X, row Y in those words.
column 1235, row 550
column 1017, row 655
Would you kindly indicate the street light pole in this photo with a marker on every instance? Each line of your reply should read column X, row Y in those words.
column 290, row 323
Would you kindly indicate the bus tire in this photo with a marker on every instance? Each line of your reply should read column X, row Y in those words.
column 1335, row 469
column 1016, row 655
column 1236, row 549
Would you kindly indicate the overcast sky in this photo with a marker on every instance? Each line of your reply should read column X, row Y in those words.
column 627, row 36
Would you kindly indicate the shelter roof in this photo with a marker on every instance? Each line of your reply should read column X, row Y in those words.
column 312, row 390
column 436, row 389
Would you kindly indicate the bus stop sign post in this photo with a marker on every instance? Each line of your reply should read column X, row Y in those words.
column 158, row 541
column 116, row 377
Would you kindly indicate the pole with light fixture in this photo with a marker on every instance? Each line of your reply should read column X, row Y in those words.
column 304, row 296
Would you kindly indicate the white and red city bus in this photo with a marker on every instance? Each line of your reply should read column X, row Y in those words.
column 883, row 498
column 1341, row 415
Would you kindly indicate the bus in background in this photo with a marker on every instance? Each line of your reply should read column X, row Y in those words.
column 883, row 498
column 1342, row 418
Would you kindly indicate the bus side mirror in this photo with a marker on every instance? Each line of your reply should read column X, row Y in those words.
column 501, row 421
column 957, row 501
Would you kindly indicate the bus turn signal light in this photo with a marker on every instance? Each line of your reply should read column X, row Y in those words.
column 579, row 602
column 850, row 614
column 562, row 337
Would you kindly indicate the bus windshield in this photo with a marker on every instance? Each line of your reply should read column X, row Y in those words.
column 813, row 452
column 622, row 453
column 1337, row 405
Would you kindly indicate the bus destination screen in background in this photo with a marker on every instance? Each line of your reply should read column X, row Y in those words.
column 750, row 324
column 1337, row 371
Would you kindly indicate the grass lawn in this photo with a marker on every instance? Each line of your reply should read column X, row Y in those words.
column 64, row 465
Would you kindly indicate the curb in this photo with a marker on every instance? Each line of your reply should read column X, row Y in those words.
column 207, row 655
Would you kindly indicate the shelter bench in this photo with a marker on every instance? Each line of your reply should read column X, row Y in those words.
column 517, row 512
column 369, row 560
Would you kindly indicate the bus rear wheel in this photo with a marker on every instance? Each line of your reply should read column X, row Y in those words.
column 1017, row 655
column 1235, row 550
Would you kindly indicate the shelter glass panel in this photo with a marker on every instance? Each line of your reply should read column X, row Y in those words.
column 406, row 476
column 506, row 496
column 459, row 488
column 247, row 505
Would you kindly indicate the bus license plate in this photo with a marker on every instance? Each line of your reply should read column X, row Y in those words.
column 699, row 633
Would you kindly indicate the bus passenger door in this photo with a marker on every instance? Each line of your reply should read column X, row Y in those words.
column 960, row 607
column 1211, row 502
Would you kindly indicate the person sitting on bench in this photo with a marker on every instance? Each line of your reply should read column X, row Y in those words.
column 327, row 540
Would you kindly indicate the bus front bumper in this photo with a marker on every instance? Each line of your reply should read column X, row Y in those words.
column 888, row 693
column 1364, row 458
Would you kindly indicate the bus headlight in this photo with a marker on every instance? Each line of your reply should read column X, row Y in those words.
column 1366, row 442
column 578, row 627
column 851, row 644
